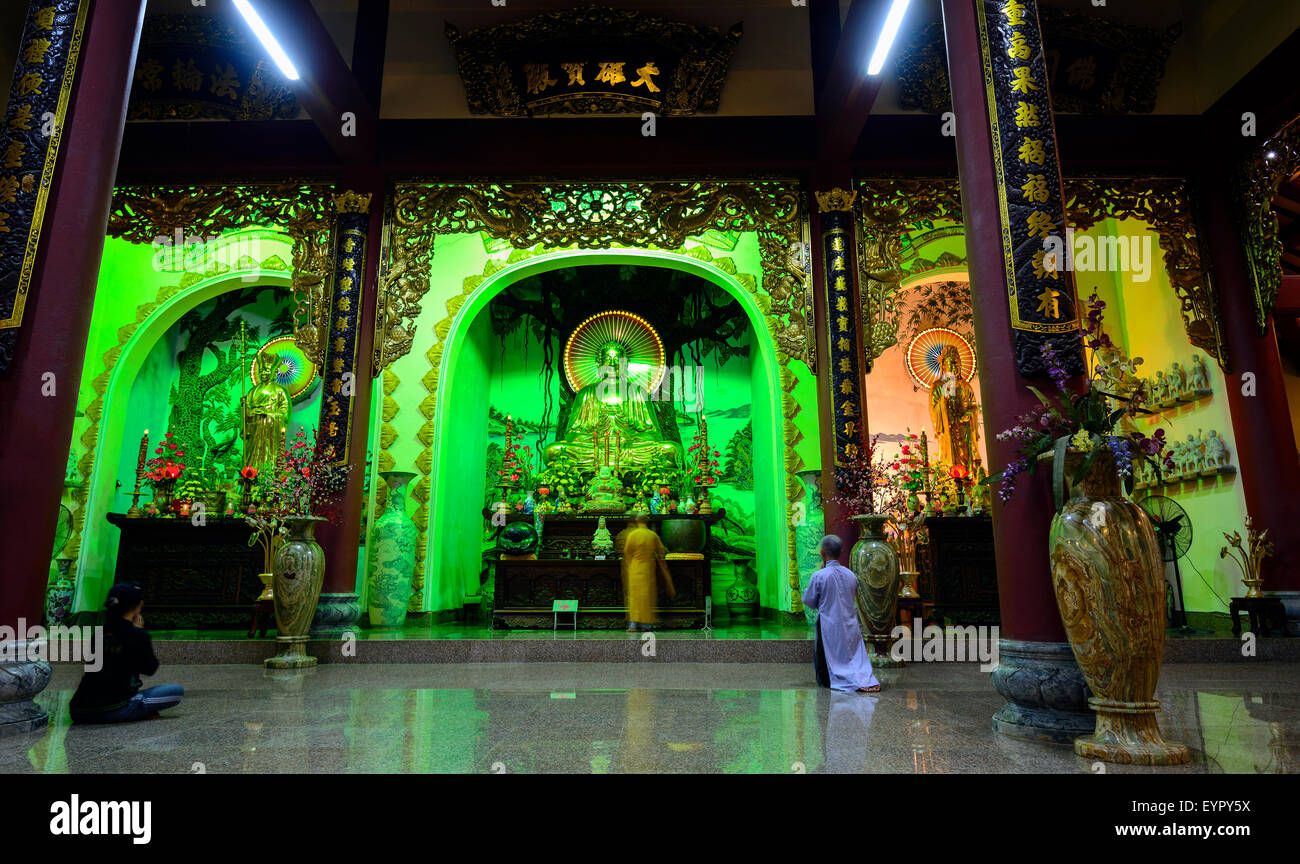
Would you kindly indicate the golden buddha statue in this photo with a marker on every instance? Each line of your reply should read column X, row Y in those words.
column 954, row 412
column 611, row 422
column 266, row 417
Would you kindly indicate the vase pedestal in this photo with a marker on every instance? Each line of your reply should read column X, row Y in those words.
column 21, row 678
column 1128, row 734
column 1047, row 696
column 291, row 654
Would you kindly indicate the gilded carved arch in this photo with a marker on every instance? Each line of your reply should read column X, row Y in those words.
column 154, row 214
column 888, row 209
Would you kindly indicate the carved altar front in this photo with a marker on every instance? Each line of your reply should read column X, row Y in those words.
column 565, row 569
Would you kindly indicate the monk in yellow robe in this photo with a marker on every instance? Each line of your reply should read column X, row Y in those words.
column 643, row 565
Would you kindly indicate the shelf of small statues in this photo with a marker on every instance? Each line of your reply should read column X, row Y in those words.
column 1168, row 480
column 1190, row 397
column 1176, row 387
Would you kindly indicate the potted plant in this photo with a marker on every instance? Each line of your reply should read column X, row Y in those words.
column 1107, row 570
column 187, row 492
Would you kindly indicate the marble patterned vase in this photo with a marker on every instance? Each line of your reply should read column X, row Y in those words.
column 875, row 563
column 59, row 594
column 742, row 596
column 1109, row 581
column 808, row 532
column 392, row 556
column 299, row 568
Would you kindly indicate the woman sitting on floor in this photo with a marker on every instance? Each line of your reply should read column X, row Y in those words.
column 112, row 693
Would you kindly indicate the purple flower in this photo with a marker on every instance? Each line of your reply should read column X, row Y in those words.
column 1123, row 455
column 1054, row 368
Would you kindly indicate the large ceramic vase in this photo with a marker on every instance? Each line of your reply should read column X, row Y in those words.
column 810, row 527
column 392, row 556
column 875, row 564
column 684, row 538
column 1109, row 581
column 742, row 596
column 299, row 571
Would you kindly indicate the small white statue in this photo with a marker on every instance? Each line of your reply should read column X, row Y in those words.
column 1199, row 382
column 1191, row 457
column 1216, row 452
column 1159, row 388
column 1177, row 380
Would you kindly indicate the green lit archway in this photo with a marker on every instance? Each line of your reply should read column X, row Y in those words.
column 453, row 557
column 97, row 558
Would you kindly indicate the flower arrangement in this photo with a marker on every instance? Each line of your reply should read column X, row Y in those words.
column 166, row 467
column 516, row 460
column 703, row 459
column 1089, row 421
column 909, row 470
column 869, row 484
column 267, row 524
column 306, row 483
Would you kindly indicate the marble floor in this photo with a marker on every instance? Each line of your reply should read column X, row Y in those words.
column 632, row 717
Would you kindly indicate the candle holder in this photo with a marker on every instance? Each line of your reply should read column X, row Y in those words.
column 134, row 512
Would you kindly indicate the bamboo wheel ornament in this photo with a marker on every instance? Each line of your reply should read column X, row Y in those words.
column 609, row 334
column 294, row 370
column 923, row 355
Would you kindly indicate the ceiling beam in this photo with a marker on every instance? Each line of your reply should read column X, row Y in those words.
column 824, row 35
column 369, row 46
column 849, row 93
column 1270, row 91
column 901, row 145
column 326, row 87
column 159, row 152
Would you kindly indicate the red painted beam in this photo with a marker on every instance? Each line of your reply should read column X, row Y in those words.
column 1288, row 297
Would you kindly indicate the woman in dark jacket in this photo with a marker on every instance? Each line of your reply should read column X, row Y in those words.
column 112, row 694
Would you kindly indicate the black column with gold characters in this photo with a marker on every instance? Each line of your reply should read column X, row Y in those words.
column 30, row 136
column 843, row 346
column 340, row 369
column 1043, row 303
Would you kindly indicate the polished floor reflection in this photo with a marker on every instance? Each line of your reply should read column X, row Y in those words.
column 595, row 718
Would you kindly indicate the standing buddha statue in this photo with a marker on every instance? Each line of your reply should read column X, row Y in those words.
column 266, row 417
column 954, row 412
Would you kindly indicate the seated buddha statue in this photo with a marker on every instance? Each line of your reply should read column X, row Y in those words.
column 613, row 416
column 605, row 493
